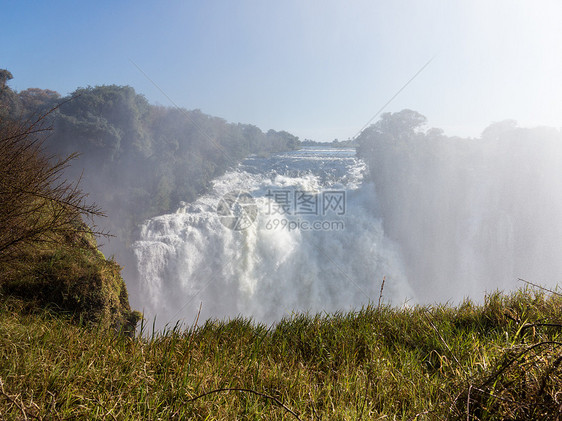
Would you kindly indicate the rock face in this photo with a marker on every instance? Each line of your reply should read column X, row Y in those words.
column 73, row 278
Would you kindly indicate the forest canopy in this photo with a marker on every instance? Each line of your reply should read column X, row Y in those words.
column 471, row 210
column 138, row 160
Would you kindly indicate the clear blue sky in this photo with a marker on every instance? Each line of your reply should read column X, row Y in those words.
column 318, row 69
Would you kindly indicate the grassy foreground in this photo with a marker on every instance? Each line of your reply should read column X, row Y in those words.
column 501, row 360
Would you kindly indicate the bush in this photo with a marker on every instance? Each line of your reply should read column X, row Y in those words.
column 48, row 255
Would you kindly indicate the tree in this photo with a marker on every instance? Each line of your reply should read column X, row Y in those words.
column 35, row 100
column 37, row 204
column 396, row 132
column 9, row 101
column 495, row 130
column 5, row 76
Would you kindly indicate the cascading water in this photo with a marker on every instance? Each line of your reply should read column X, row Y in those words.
column 315, row 244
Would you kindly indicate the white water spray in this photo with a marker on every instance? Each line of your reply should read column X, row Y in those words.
column 315, row 261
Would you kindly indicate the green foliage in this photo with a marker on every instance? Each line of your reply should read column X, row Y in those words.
column 444, row 198
column 48, row 256
column 136, row 160
column 10, row 106
column 494, row 361
column 5, row 76
column 75, row 280
column 36, row 204
column 38, row 101
column 141, row 160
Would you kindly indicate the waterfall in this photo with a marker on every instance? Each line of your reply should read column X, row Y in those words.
column 294, row 232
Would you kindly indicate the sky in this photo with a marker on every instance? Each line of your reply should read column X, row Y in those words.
column 318, row 69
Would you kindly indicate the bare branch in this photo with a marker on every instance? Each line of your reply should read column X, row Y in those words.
column 239, row 389
column 37, row 203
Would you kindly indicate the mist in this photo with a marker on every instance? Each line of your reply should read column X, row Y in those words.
column 440, row 218
column 138, row 160
column 470, row 215
column 192, row 265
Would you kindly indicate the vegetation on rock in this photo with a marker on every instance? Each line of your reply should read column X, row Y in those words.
column 48, row 255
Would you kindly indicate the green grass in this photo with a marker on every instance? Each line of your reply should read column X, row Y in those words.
column 492, row 361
